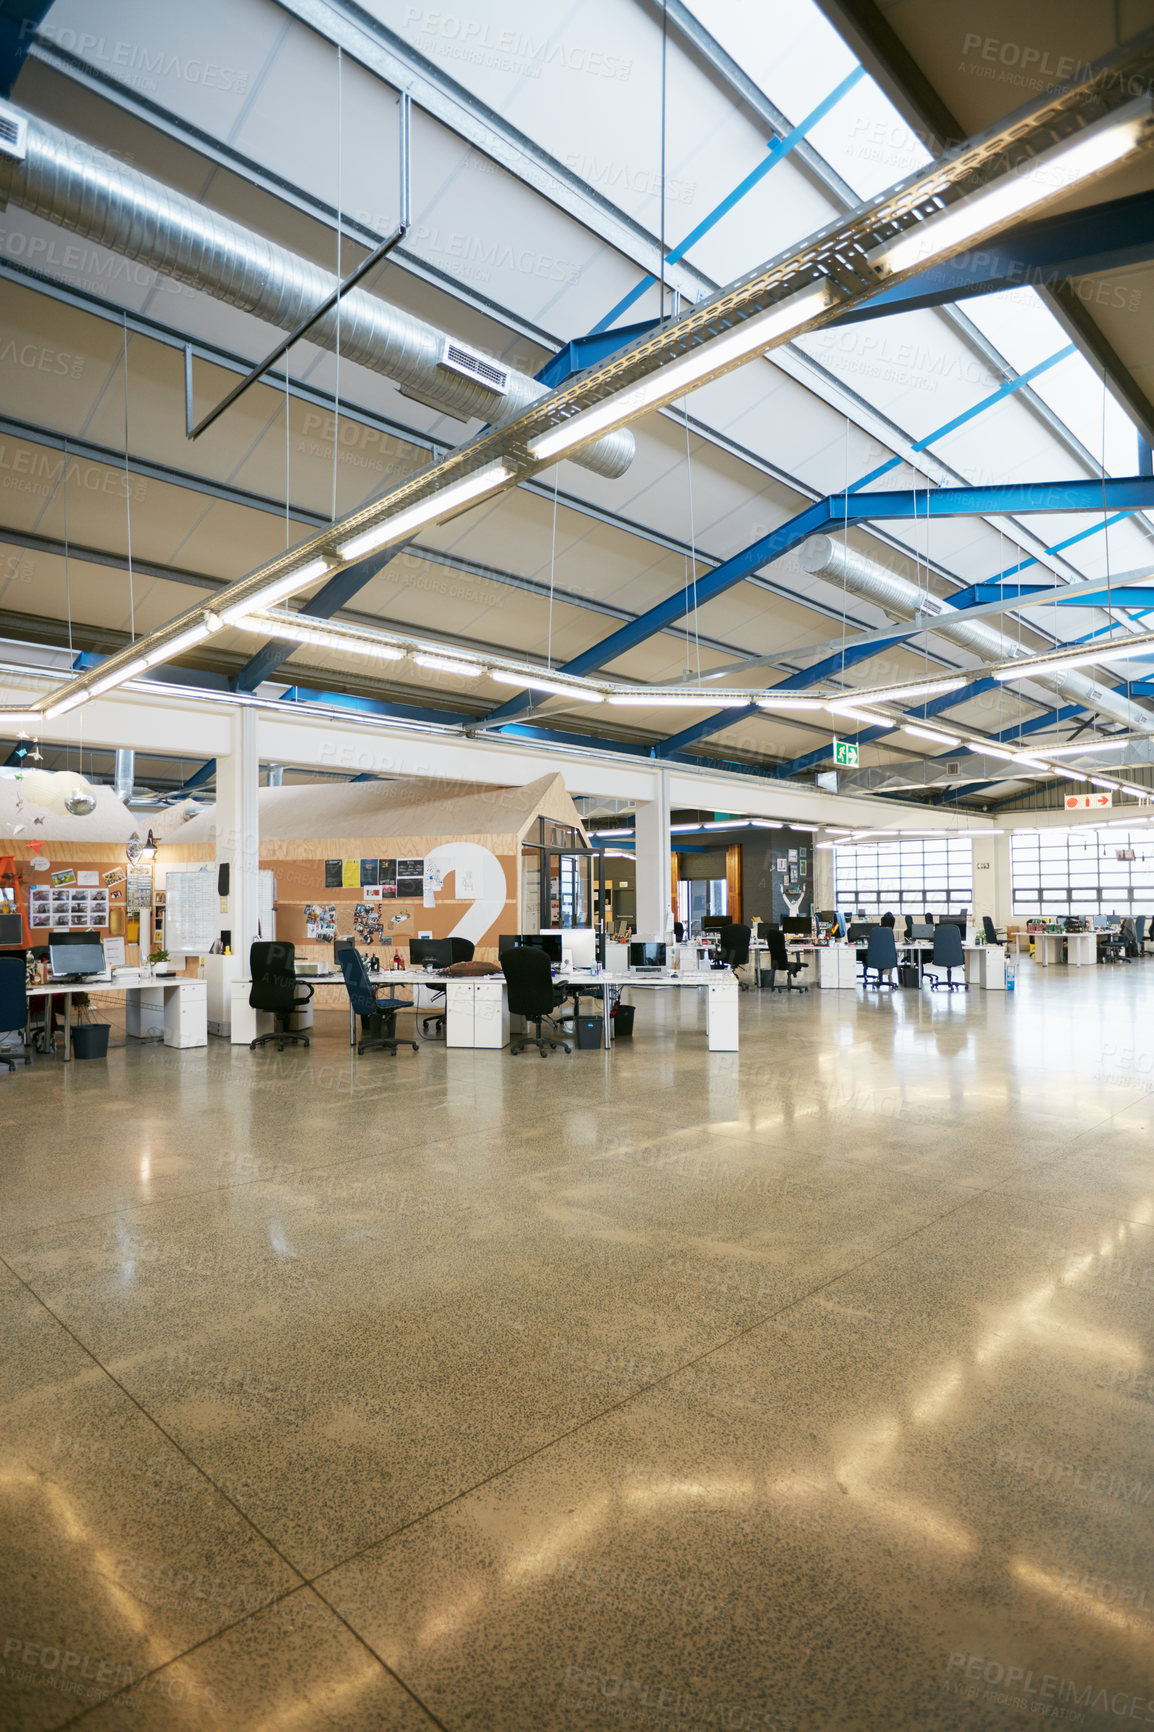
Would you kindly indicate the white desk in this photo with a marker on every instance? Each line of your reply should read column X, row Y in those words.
column 719, row 985
column 171, row 1007
column 1081, row 948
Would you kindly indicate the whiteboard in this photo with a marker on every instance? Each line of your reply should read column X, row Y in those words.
column 193, row 920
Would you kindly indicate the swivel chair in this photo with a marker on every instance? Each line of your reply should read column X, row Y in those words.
column 274, row 987
column 378, row 1015
column 888, row 919
column 461, row 950
column 733, row 942
column 532, row 995
column 881, row 956
column 948, row 955
column 989, row 929
column 779, row 959
column 13, row 1003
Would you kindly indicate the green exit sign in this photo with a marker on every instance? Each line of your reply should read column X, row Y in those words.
column 845, row 754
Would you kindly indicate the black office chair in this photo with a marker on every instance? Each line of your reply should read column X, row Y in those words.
column 989, row 929
column 881, row 956
column 779, row 959
column 948, row 954
column 678, row 932
column 274, row 987
column 461, row 951
column 888, row 920
column 733, row 942
column 13, row 1003
column 378, row 1015
column 532, row 995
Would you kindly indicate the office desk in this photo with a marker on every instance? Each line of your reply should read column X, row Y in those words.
column 1081, row 948
column 721, row 999
column 246, row 1023
column 168, row 1006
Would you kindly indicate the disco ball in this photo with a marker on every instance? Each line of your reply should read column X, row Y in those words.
column 81, row 804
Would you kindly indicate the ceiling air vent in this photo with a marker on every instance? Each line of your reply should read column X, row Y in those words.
column 13, row 130
column 458, row 359
column 954, row 769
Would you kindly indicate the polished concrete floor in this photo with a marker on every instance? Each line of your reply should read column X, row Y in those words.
column 806, row 1387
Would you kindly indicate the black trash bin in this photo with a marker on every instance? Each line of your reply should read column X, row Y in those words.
column 623, row 1019
column 590, row 1030
column 90, row 1040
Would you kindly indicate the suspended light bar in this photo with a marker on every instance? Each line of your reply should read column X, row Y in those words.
column 302, row 630
column 1075, row 750
column 118, row 676
column 1049, row 175
column 1136, row 793
column 447, row 665
column 430, row 510
column 1102, row 782
column 770, row 701
column 204, row 627
column 542, row 683
column 900, row 693
column 1117, row 649
column 856, row 715
column 284, row 586
column 752, row 337
column 653, row 695
column 20, row 718
column 921, row 733
column 1073, row 776
column 62, row 706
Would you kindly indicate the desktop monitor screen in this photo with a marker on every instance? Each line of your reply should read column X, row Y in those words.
column 507, row 941
column 11, row 929
column 647, row 956
column 70, row 958
column 549, row 942
column 430, row 952
column 796, row 926
column 581, row 944
column 920, row 930
column 860, row 929
column 958, row 920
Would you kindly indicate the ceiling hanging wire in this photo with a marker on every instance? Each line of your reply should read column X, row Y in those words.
column 661, row 193
column 287, row 459
column 127, row 498
column 340, row 268
column 552, row 574
column 692, row 548
column 845, row 545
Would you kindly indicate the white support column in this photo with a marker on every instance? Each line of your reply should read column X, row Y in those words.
column 654, row 872
column 238, row 830
column 992, row 888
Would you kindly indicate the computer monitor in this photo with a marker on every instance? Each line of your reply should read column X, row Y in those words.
column 826, row 916
column 958, row 920
column 549, row 942
column 430, row 952
column 647, row 956
column 919, row 929
column 11, row 928
column 860, row 929
column 69, row 960
column 796, row 926
column 580, row 944
column 507, row 941
column 345, row 942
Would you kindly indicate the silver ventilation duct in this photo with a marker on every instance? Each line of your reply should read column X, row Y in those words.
column 94, row 195
column 822, row 557
column 124, row 773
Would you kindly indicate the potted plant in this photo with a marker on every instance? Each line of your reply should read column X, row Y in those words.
column 158, row 961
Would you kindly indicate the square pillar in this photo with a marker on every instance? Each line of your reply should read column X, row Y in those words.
column 992, row 889
column 238, row 831
column 654, row 864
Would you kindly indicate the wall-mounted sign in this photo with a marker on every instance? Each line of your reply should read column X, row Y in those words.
column 1088, row 802
column 845, row 754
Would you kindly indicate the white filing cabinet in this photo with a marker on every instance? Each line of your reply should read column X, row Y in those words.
column 986, row 967
column 721, row 1013
column 174, row 1013
column 476, row 1012
column 837, row 966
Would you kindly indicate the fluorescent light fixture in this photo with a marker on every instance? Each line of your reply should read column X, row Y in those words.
column 447, row 665
column 793, row 824
column 785, row 702
column 838, row 830
column 920, row 689
column 652, row 695
column 1115, row 650
column 72, row 702
column 825, row 844
column 856, row 715
column 1074, row 750
column 930, row 734
column 726, row 824
column 678, row 828
column 277, row 591
column 1102, row 782
column 20, row 718
column 1073, row 776
column 302, row 630
column 542, row 683
column 429, row 510
column 752, row 337
column 1136, row 793
column 117, row 677
column 1050, row 174
column 992, row 751
column 603, row 833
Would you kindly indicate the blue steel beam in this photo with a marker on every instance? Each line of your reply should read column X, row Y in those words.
column 778, row 149
column 1101, row 238
column 328, row 600
column 582, row 352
